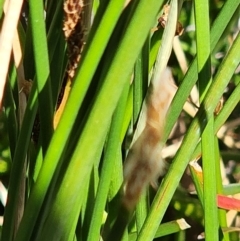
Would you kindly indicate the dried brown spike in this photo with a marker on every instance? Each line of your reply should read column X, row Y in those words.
column 72, row 10
column 73, row 31
column 74, row 34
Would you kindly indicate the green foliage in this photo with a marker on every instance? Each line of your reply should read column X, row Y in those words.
column 72, row 175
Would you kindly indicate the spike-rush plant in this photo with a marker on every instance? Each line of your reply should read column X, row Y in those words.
column 118, row 120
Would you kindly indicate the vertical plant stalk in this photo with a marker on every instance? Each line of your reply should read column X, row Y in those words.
column 208, row 151
column 222, row 214
column 42, row 66
column 203, row 47
column 211, row 223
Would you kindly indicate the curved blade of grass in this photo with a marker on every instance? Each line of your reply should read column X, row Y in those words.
column 167, row 41
column 170, row 183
